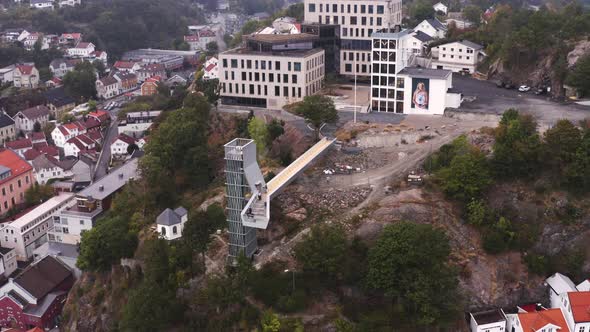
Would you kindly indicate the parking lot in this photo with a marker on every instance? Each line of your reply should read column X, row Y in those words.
column 494, row 100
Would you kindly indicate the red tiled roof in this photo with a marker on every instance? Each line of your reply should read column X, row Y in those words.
column 25, row 69
column 535, row 321
column 210, row 67
column 19, row 144
column 35, row 136
column 83, row 45
column 31, row 154
column 124, row 64
column 73, row 35
column 97, row 53
column 49, row 150
column 64, row 131
column 85, row 139
column 91, row 123
column 580, row 302
column 40, row 145
column 94, row 135
column 76, row 142
column 125, row 138
column 100, row 115
column 206, row 33
column 17, row 165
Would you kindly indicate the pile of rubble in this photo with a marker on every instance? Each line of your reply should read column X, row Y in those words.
column 293, row 202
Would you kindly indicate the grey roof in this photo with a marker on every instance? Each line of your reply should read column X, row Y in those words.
column 180, row 211
column 4, row 251
column 35, row 112
column 420, row 72
column 470, row 44
column 168, row 218
column 108, row 80
column 5, row 120
column 436, row 24
column 421, row 36
column 44, row 162
column 58, row 97
column 112, row 182
column 390, row 33
column 489, row 316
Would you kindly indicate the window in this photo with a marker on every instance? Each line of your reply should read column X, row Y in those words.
column 225, row 63
column 297, row 66
column 370, row 9
column 347, row 68
column 174, row 230
column 380, row 9
column 277, row 91
column 375, row 68
column 271, row 77
column 251, row 88
column 234, row 63
column 66, row 230
column 379, row 21
column 20, row 183
column 363, row 20
column 321, row 7
column 285, row 78
column 285, row 91
column 243, row 76
column 263, row 65
column 344, row 32
column 294, row 79
column 277, row 65
column 363, row 9
column 353, row 20
column 163, row 230
column 81, row 222
column 311, row 8
column 376, row 92
column 249, row 64
column 289, row 66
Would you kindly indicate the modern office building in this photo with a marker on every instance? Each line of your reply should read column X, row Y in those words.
column 357, row 20
column 397, row 88
column 328, row 39
column 271, row 71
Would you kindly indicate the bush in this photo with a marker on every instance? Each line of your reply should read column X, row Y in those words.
column 538, row 264
column 293, row 302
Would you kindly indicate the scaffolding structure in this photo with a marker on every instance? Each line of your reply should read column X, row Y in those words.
column 238, row 153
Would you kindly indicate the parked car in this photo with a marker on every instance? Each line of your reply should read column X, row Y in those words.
column 524, row 88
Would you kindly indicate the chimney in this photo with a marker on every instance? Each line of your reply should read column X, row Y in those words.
column 120, row 175
column 101, row 188
column 538, row 307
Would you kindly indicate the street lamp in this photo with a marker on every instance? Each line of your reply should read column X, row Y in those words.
column 293, row 273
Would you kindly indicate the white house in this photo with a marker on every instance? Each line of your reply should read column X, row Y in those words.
column 416, row 43
column 211, row 69
column 121, row 143
column 107, row 87
column 25, row 120
column 28, row 232
column 459, row 56
column 170, row 223
column 101, row 56
column 26, row 76
column 432, row 27
column 42, row 4
column 82, row 50
column 60, row 67
column 70, row 3
column 558, row 285
column 6, row 74
column 8, row 262
column 488, row 321
column 47, row 168
column 544, row 320
column 75, row 145
column 127, row 66
column 576, row 306
column 61, row 134
column 440, row 7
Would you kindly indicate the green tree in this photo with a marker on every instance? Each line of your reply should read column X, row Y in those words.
column 517, row 147
column 105, row 244
column 270, row 322
column 322, row 251
column 91, row 105
column 259, row 133
column 296, row 11
column 99, row 67
column 421, row 10
column 472, row 14
column 275, row 129
column 80, row 83
column 212, row 48
column 38, row 194
column 317, row 110
column 414, row 274
column 197, row 232
column 477, row 212
column 467, row 177
column 36, row 127
column 579, row 77
column 578, row 172
column 561, row 144
column 45, row 74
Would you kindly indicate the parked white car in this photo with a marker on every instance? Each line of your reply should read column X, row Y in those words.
column 524, row 88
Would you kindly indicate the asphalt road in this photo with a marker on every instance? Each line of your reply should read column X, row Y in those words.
column 112, row 132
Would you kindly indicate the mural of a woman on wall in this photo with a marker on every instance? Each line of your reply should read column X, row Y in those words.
column 420, row 96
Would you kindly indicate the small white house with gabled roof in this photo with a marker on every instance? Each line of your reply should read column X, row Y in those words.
column 170, row 223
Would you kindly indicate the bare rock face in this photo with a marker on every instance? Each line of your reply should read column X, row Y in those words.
column 298, row 215
column 485, row 280
column 580, row 49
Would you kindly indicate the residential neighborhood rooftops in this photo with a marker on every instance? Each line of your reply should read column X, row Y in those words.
column 420, row 72
column 108, row 80
column 580, row 303
column 58, row 97
column 125, row 138
column 124, row 64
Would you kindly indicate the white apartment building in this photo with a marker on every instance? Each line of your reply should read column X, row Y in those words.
column 81, row 50
column 358, row 20
column 28, row 232
column 8, row 262
column 459, row 56
column 396, row 88
column 283, row 70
